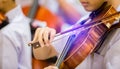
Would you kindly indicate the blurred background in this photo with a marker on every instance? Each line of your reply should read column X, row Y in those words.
column 58, row 14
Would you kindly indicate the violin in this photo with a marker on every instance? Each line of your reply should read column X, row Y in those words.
column 80, row 45
column 2, row 18
column 3, row 21
column 87, row 40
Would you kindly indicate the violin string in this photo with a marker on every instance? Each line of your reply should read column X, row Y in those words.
column 82, row 29
column 76, row 30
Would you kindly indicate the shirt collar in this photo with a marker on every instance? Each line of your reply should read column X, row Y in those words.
column 12, row 14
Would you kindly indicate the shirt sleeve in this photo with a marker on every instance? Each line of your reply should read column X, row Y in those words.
column 8, row 55
column 112, row 56
column 15, row 53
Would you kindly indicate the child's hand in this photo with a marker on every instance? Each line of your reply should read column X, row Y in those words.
column 51, row 67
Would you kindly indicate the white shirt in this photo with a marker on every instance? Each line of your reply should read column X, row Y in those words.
column 15, row 53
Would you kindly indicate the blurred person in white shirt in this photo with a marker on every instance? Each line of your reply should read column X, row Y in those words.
column 15, row 53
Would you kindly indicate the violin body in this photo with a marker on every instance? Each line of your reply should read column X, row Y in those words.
column 87, row 41
column 39, row 64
